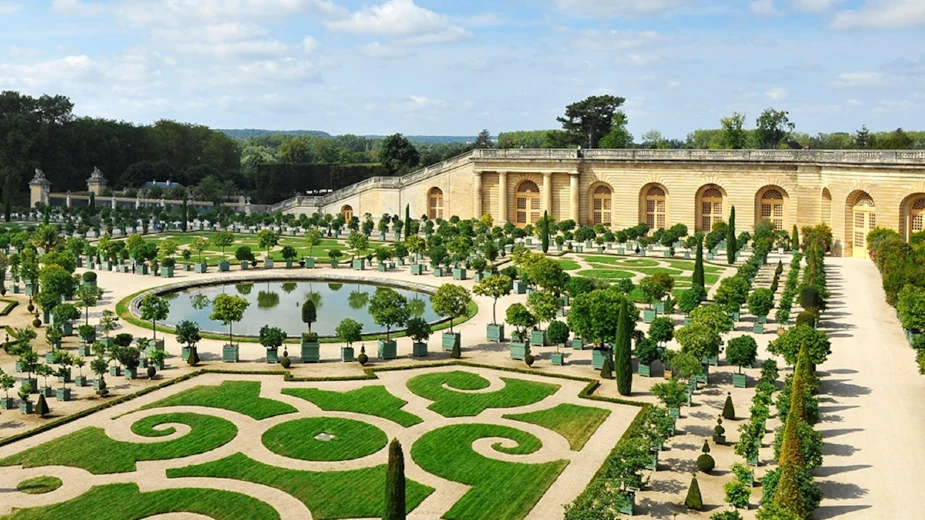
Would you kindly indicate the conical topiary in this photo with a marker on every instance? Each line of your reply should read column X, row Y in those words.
column 193, row 358
column 729, row 411
column 719, row 432
column 41, row 407
column 706, row 446
column 694, row 500
column 607, row 369
column 456, row 353
column 787, row 495
column 622, row 350
column 395, row 483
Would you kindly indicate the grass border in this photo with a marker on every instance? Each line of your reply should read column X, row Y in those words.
column 10, row 305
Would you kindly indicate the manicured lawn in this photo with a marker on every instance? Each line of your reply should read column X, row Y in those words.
column 236, row 396
column 450, row 403
column 39, row 485
column 500, row 490
column 122, row 501
column 328, row 495
column 575, row 423
column 606, row 274
column 92, row 450
column 638, row 262
column 369, row 400
column 569, row 265
column 351, row 439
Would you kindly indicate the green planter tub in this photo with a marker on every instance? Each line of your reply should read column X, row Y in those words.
column 645, row 370
column 346, row 354
column 230, row 353
column 459, row 274
column 519, row 350
column 557, row 358
column 598, row 356
column 538, row 338
column 450, row 340
column 495, row 333
column 311, row 352
column 359, row 264
column 417, row 269
column 739, row 380
column 272, row 356
column 309, row 262
column 419, row 349
column 386, row 349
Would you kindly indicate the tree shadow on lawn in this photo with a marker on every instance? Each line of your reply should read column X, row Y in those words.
column 841, row 490
column 680, row 465
column 649, row 508
column 828, row 471
column 671, row 487
column 10, row 424
column 837, row 511
column 828, row 434
column 683, row 446
column 833, row 409
column 842, row 388
column 698, row 431
column 839, row 450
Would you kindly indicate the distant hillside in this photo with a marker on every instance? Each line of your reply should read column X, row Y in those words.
column 245, row 133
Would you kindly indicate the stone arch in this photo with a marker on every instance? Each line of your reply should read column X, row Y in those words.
column 600, row 196
column 710, row 205
column 653, row 206
column 771, row 204
column 860, row 218
column 912, row 215
column 526, row 203
column 347, row 211
column 826, row 207
column 435, row 203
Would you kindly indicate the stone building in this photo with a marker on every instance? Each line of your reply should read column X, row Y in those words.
column 851, row 191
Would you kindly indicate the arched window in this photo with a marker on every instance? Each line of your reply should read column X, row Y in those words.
column 772, row 207
column 864, row 219
column 917, row 216
column 711, row 209
column 528, row 204
column 347, row 212
column 435, row 203
column 656, row 207
column 601, row 204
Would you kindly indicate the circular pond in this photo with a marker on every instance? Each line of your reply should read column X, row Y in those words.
column 278, row 303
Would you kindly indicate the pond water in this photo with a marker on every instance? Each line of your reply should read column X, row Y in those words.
column 279, row 304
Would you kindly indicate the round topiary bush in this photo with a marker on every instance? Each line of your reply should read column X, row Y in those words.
column 705, row 463
column 363, row 358
column 529, row 359
column 285, row 362
column 36, row 323
column 807, row 317
column 30, row 307
column 89, row 276
column 151, row 371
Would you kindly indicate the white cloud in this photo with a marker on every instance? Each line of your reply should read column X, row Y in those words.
column 481, row 20
column 813, row 6
column 620, row 7
column 284, row 70
column 185, row 12
column 860, row 79
column 9, row 7
column 69, row 69
column 617, row 40
column 310, row 45
column 882, row 14
column 386, row 52
column 403, row 20
column 777, row 94
column 226, row 41
column 763, row 7
column 853, row 102
column 640, row 60
column 77, row 8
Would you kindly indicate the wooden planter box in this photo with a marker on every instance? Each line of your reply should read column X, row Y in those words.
column 310, row 352
column 659, row 307
column 131, row 373
column 577, row 343
column 739, row 380
column 419, row 349
column 557, row 358
column 758, row 328
column 346, row 354
column 495, row 333
column 519, row 350
column 224, row 265
column 459, row 274
column 645, row 370
column 273, row 356
column 309, row 262
column 520, row 287
column 63, row 394
column 383, row 267
column 80, row 381
column 538, row 338
column 268, row 263
column 230, row 353
column 386, row 349
column 438, row 272
column 84, row 350
column 359, row 264
column 450, row 340
column 167, row 272
column 598, row 356
column 708, row 360
column 653, row 461
column 648, row 315
column 115, row 371
column 417, row 269
column 202, row 268
column 245, row 266
column 25, row 407
column 630, row 504
column 6, row 403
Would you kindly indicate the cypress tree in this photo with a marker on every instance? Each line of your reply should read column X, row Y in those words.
column 407, row 220
column 731, row 237
column 184, row 215
column 395, row 483
column 787, row 495
column 92, row 203
column 729, row 411
column 545, row 231
column 45, row 215
column 795, row 239
column 694, row 500
column 698, row 278
column 622, row 346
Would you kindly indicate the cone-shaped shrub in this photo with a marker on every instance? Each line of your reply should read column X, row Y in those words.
column 694, row 500
column 456, row 353
column 698, row 278
column 729, row 411
column 193, row 358
column 607, row 369
column 395, row 483
column 622, row 347
column 731, row 246
column 41, row 407
column 787, row 494
column 706, row 446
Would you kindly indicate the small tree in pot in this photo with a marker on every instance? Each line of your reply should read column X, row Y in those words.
column 188, row 334
column 389, row 309
column 557, row 333
column 228, row 310
column 199, row 244
column 350, row 331
column 741, row 352
column 271, row 338
column 647, row 352
column 130, row 358
column 6, row 383
column 451, row 301
column 100, row 366
column 519, row 317
column 494, row 287
column 760, row 303
column 419, row 331
column 154, row 308
column 673, row 394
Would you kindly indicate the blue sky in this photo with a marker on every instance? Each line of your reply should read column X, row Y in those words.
column 455, row 67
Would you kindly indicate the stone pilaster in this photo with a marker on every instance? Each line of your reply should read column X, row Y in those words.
column 502, row 197
column 574, row 201
column 547, row 191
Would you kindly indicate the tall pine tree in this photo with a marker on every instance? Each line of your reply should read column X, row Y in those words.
column 407, row 220
column 698, row 278
column 731, row 237
column 395, row 483
column 545, row 231
column 623, row 357
column 795, row 239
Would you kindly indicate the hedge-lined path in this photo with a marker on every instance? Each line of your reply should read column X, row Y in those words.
column 151, row 475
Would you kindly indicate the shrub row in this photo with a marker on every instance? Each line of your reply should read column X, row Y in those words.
column 790, row 290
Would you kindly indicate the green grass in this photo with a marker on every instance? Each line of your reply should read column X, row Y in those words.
column 122, row 501
column 355, row 493
column 39, row 485
column 352, row 439
column 575, row 423
column 569, row 265
column 236, row 396
column 638, row 263
column 450, row 403
column 95, row 452
column 369, row 400
column 606, row 274
column 500, row 490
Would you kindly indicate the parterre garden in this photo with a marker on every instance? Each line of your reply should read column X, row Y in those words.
column 506, row 438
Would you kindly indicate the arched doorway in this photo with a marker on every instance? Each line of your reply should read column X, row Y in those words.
column 771, row 202
column 709, row 208
column 602, row 205
column 347, row 212
column 863, row 218
column 527, row 207
column 655, row 205
column 826, row 207
column 435, row 203
column 914, row 216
